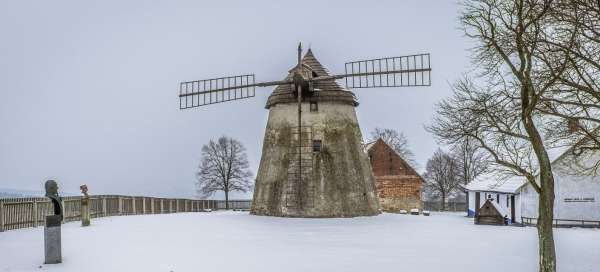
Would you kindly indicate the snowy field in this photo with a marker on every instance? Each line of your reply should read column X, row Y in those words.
column 235, row 241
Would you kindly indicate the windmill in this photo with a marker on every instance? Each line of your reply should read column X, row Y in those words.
column 313, row 163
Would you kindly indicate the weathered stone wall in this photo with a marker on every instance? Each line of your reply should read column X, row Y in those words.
column 398, row 185
column 339, row 182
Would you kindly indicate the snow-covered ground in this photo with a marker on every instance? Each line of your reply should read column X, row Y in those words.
column 235, row 241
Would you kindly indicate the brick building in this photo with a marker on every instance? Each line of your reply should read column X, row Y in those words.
column 398, row 184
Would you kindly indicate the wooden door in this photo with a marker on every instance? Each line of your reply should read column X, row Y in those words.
column 477, row 199
column 512, row 208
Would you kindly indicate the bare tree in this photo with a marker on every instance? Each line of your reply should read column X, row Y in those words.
column 224, row 167
column 442, row 176
column 397, row 141
column 500, row 111
column 574, row 102
column 472, row 161
column 536, row 71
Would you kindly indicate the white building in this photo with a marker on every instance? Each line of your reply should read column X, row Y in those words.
column 577, row 194
column 505, row 193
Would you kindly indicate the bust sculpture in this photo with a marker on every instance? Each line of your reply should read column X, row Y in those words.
column 85, row 207
column 52, row 232
column 52, row 193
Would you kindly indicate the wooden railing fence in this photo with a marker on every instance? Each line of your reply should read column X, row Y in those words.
column 235, row 204
column 450, row 206
column 530, row 221
column 16, row 213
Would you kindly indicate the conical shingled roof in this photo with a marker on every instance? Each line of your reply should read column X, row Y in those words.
column 327, row 90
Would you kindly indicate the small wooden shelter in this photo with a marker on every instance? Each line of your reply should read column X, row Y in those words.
column 490, row 214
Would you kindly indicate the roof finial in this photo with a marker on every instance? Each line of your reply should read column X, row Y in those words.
column 299, row 52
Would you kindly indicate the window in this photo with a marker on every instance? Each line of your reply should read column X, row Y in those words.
column 314, row 106
column 507, row 203
column 498, row 198
column 317, row 145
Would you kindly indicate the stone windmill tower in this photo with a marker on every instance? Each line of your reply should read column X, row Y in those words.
column 313, row 163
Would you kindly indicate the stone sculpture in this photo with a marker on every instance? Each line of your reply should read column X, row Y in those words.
column 85, row 206
column 52, row 231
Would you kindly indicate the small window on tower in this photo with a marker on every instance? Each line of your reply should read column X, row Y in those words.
column 317, row 145
column 314, row 106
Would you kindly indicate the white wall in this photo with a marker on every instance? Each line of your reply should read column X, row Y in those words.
column 576, row 196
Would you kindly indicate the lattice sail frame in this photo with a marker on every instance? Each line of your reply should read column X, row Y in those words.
column 216, row 90
column 405, row 71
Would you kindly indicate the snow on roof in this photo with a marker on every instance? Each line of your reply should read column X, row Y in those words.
column 555, row 153
column 496, row 183
column 368, row 145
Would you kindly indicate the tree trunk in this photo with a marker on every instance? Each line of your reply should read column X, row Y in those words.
column 226, row 199
column 547, row 253
column 443, row 204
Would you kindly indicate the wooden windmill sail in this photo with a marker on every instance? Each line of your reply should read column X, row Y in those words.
column 312, row 163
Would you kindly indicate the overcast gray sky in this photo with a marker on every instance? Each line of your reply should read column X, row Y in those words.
column 88, row 89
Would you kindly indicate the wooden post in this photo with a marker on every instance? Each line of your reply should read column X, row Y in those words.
column 162, row 205
column 143, row 205
column 120, row 205
column 133, row 205
column 1, row 216
column 63, row 211
column 152, row 206
column 35, row 212
column 104, row 206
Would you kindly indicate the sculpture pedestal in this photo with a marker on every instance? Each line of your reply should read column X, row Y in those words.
column 52, row 240
column 85, row 212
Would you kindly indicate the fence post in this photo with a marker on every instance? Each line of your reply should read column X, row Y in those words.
column 162, row 205
column 152, row 206
column 176, row 205
column 35, row 212
column 133, row 205
column 120, row 205
column 1, row 216
column 143, row 205
column 63, row 210
column 103, row 206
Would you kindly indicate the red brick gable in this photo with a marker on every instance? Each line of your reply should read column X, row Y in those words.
column 387, row 162
column 398, row 184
